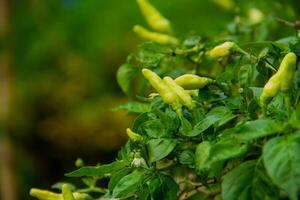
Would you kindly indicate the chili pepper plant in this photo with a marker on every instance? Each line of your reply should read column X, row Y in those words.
column 217, row 117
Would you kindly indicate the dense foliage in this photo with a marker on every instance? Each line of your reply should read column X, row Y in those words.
column 230, row 137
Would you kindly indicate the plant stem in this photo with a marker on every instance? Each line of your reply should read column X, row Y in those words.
column 92, row 189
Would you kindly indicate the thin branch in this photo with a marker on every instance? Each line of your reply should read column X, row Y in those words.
column 295, row 25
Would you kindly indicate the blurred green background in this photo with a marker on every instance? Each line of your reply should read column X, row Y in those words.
column 58, row 60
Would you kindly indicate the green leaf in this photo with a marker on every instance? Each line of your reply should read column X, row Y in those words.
column 262, row 185
column 217, row 116
column 116, row 177
column 155, row 128
column 256, row 92
column 210, row 96
column 129, row 185
column 133, row 107
column 284, row 43
column 143, row 193
column 228, row 74
column 163, row 187
column 160, row 148
column 277, row 106
column 254, row 129
column 98, row 170
column 186, row 126
column 186, row 157
column 202, row 167
column 191, row 41
column 209, row 157
column 125, row 75
column 235, row 102
column 245, row 76
column 282, row 162
column 169, row 118
column 248, row 181
column 150, row 54
column 295, row 118
column 139, row 120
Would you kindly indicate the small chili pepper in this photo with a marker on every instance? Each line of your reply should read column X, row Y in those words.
column 154, row 36
column 222, row 50
column 154, row 17
column 183, row 95
column 133, row 136
column 192, row 81
column 287, row 71
column 282, row 80
column 45, row 195
column 270, row 90
column 67, row 193
column 164, row 91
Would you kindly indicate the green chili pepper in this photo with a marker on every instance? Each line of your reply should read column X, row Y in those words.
column 164, row 91
column 154, row 36
column 154, row 17
column 67, row 193
column 282, row 80
column 270, row 90
column 45, row 195
column 222, row 50
column 192, row 81
column 183, row 95
column 287, row 71
column 133, row 136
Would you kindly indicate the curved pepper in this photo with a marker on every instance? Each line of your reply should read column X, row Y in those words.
column 287, row 71
column 282, row 80
column 192, row 81
column 183, row 95
column 270, row 90
column 154, row 17
column 67, row 193
column 164, row 91
column 154, row 36
column 222, row 50
column 133, row 136
column 47, row 195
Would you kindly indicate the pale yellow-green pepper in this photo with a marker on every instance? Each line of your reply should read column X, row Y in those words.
column 133, row 136
column 282, row 80
column 155, row 36
column 192, row 81
column 183, row 95
column 222, row 50
column 153, row 17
